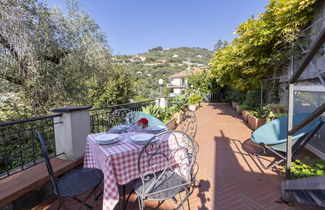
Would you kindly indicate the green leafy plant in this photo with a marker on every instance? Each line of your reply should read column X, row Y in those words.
column 307, row 168
column 180, row 101
column 256, row 113
column 195, row 99
column 164, row 115
column 261, row 43
column 274, row 111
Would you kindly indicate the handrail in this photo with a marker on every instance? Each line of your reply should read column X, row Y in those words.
column 320, row 110
column 119, row 105
column 309, row 57
column 29, row 120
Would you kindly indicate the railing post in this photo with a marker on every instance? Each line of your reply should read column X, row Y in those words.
column 290, row 123
column 71, row 133
column 161, row 102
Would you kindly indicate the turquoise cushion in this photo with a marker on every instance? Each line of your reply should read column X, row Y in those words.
column 151, row 119
column 275, row 132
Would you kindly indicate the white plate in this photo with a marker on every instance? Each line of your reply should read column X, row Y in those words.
column 106, row 138
column 156, row 128
column 120, row 128
column 108, row 142
column 142, row 138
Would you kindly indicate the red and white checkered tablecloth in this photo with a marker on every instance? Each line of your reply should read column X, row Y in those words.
column 118, row 161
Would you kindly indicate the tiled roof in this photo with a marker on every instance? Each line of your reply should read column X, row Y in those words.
column 183, row 74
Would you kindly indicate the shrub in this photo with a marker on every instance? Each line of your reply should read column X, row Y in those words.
column 301, row 169
column 164, row 115
column 195, row 99
column 274, row 111
column 180, row 101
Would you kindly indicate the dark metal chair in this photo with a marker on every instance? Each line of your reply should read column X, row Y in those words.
column 73, row 184
column 175, row 168
column 122, row 116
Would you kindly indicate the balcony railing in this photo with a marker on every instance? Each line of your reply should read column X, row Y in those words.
column 100, row 118
column 176, row 86
column 19, row 149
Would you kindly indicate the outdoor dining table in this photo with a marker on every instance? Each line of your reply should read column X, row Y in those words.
column 118, row 161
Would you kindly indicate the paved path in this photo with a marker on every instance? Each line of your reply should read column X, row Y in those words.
column 229, row 176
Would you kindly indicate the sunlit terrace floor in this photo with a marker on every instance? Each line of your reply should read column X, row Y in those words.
column 229, row 176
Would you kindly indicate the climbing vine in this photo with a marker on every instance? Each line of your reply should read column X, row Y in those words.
column 261, row 45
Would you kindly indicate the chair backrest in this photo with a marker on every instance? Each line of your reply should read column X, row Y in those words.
column 189, row 124
column 169, row 153
column 122, row 116
column 275, row 131
column 152, row 121
column 47, row 160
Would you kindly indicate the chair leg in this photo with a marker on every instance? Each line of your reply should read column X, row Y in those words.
column 141, row 203
column 87, row 197
column 182, row 202
column 62, row 203
column 127, row 200
column 83, row 202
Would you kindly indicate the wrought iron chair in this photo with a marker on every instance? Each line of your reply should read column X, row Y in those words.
column 189, row 124
column 135, row 116
column 172, row 154
column 122, row 116
column 73, row 184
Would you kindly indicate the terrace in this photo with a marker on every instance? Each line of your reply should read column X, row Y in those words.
column 229, row 175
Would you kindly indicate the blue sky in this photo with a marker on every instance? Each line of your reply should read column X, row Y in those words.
column 134, row 26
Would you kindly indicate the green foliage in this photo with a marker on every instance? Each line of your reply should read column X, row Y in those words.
column 139, row 98
column 164, row 115
column 180, row 101
column 307, row 168
column 195, row 99
column 159, row 48
column 146, row 73
column 268, row 112
column 220, row 44
column 256, row 113
column 233, row 95
column 203, row 83
column 118, row 89
column 261, row 44
column 274, row 111
column 56, row 59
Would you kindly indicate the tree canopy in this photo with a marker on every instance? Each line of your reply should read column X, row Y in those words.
column 52, row 59
column 262, row 44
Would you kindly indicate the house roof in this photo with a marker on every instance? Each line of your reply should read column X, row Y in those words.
column 184, row 74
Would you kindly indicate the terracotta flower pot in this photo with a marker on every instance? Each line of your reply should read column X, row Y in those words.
column 171, row 124
column 244, row 113
column 254, row 122
column 192, row 107
column 178, row 117
column 238, row 109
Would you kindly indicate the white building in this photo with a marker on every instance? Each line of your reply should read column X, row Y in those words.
column 178, row 82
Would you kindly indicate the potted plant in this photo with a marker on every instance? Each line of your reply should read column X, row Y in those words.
column 180, row 103
column 274, row 111
column 308, row 168
column 233, row 104
column 255, row 120
column 238, row 109
column 244, row 111
column 194, row 101
column 171, row 124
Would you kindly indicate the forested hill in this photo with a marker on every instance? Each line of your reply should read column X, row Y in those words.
column 146, row 68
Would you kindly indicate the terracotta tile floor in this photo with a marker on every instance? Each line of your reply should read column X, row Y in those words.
column 229, row 176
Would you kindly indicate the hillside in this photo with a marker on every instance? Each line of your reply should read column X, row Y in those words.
column 146, row 68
